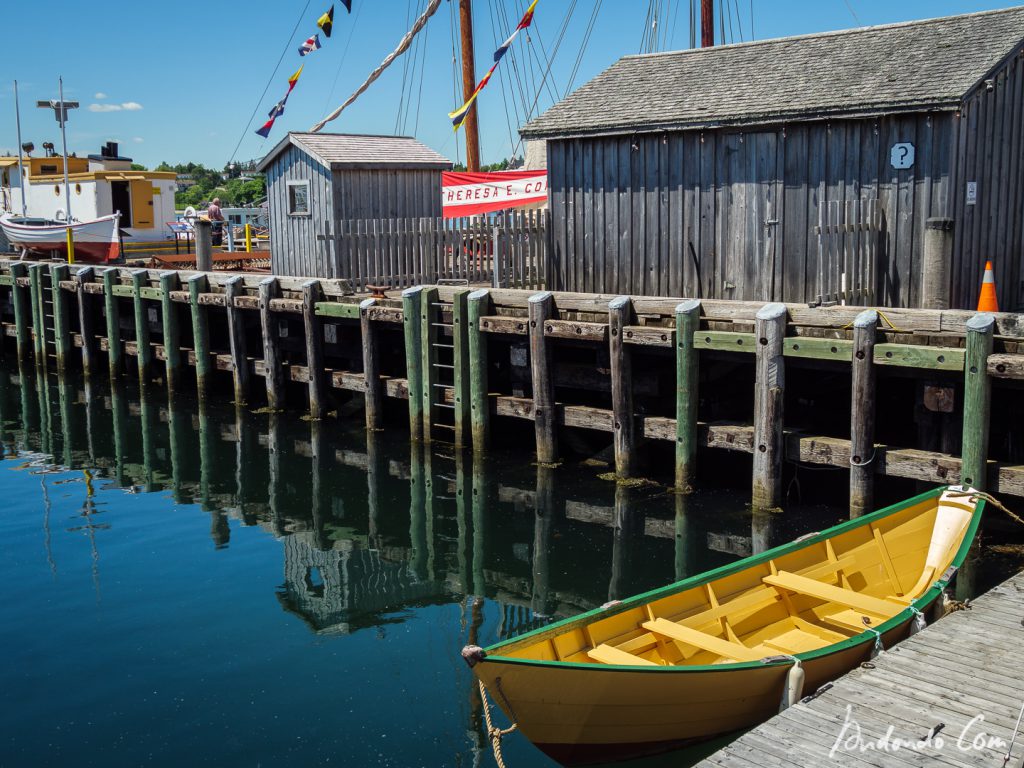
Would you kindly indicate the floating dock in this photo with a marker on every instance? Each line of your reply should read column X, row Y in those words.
column 950, row 695
column 761, row 379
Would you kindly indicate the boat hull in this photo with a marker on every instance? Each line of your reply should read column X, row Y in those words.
column 716, row 653
column 585, row 715
column 94, row 241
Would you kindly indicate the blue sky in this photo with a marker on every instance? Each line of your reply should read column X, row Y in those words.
column 180, row 85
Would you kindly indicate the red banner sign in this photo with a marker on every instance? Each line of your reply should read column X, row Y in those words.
column 469, row 194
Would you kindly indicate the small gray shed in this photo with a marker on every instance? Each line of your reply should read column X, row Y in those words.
column 749, row 171
column 316, row 181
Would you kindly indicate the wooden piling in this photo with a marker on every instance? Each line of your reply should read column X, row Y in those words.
column 273, row 368
column 429, row 315
column 374, row 395
column 543, row 530
column 22, row 311
column 143, row 348
column 769, row 391
column 61, row 317
column 620, row 314
column 687, row 377
column 112, row 309
column 169, row 316
column 411, row 325
column 936, row 263
column 977, row 401
column 197, row 285
column 541, row 308
column 311, row 294
column 461, row 358
column 862, row 414
column 479, row 305
column 87, row 320
column 240, row 371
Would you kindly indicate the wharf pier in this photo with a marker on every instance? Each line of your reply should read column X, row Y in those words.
column 949, row 695
column 785, row 383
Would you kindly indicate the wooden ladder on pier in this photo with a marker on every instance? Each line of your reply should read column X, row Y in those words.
column 439, row 369
column 48, row 322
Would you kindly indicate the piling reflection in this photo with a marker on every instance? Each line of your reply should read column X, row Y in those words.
column 372, row 525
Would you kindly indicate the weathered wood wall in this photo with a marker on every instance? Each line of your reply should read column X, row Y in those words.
column 294, row 247
column 989, row 145
column 627, row 209
column 297, row 246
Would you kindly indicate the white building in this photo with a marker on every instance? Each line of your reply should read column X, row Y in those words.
column 99, row 185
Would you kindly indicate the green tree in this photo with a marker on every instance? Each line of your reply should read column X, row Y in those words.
column 139, row 167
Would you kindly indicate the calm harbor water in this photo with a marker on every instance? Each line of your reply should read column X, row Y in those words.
column 193, row 585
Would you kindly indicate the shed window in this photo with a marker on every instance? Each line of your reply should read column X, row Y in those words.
column 298, row 198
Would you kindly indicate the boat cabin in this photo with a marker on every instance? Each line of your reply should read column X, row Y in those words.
column 99, row 186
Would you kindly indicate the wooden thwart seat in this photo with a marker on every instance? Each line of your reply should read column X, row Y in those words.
column 609, row 654
column 702, row 640
column 832, row 594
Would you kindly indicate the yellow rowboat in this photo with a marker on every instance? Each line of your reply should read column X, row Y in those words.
column 718, row 652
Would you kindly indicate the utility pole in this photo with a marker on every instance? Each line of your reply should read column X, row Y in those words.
column 469, row 85
column 707, row 23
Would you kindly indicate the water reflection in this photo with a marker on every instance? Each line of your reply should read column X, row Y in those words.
column 374, row 531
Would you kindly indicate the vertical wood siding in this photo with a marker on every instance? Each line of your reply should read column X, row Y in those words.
column 732, row 214
column 344, row 195
column 989, row 146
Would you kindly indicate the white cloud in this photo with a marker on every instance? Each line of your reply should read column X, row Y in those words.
column 100, row 95
column 128, row 106
column 138, row 139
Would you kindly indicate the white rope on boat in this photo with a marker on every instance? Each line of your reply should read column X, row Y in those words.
column 403, row 46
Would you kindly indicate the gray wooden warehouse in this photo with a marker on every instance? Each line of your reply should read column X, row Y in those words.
column 787, row 169
column 315, row 181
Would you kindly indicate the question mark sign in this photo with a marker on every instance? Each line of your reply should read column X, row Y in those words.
column 904, row 151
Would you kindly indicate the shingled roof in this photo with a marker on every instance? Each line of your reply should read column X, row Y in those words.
column 354, row 151
column 929, row 64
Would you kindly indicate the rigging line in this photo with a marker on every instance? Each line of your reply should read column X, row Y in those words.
column 515, row 60
column 852, row 12
column 721, row 17
column 751, row 19
column 693, row 25
column 552, row 90
column 501, row 77
column 675, row 23
column 412, row 61
column 553, row 94
column 423, row 69
column 344, row 55
column 739, row 21
column 643, row 32
column 273, row 74
column 583, row 47
column 543, row 49
column 554, row 53
column 402, row 47
column 405, row 68
column 728, row 10
column 455, row 76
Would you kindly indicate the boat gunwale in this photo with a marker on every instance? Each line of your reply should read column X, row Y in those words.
column 868, row 635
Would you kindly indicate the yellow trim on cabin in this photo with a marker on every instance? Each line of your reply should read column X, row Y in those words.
column 107, row 176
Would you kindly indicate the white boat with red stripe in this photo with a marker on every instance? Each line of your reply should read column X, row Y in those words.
column 96, row 241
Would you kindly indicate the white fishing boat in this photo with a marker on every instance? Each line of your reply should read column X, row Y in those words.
column 95, row 241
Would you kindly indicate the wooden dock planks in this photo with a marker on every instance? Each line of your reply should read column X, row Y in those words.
column 962, row 668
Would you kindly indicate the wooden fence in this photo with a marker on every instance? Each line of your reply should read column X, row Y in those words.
column 848, row 245
column 504, row 251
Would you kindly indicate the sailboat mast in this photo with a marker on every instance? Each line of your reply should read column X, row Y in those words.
column 64, row 142
column 469, row 85
column 707, row 23
column 21, row 165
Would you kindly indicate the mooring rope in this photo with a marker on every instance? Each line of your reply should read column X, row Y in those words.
column 988, row 497
column 495, row 734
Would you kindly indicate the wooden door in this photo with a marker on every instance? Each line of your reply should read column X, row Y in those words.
column 750, row 215
column 142, row 204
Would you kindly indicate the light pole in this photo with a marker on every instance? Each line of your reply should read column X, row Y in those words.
column 60, row 112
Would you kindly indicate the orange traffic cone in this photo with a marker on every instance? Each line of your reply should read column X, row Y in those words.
column 987, row 298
